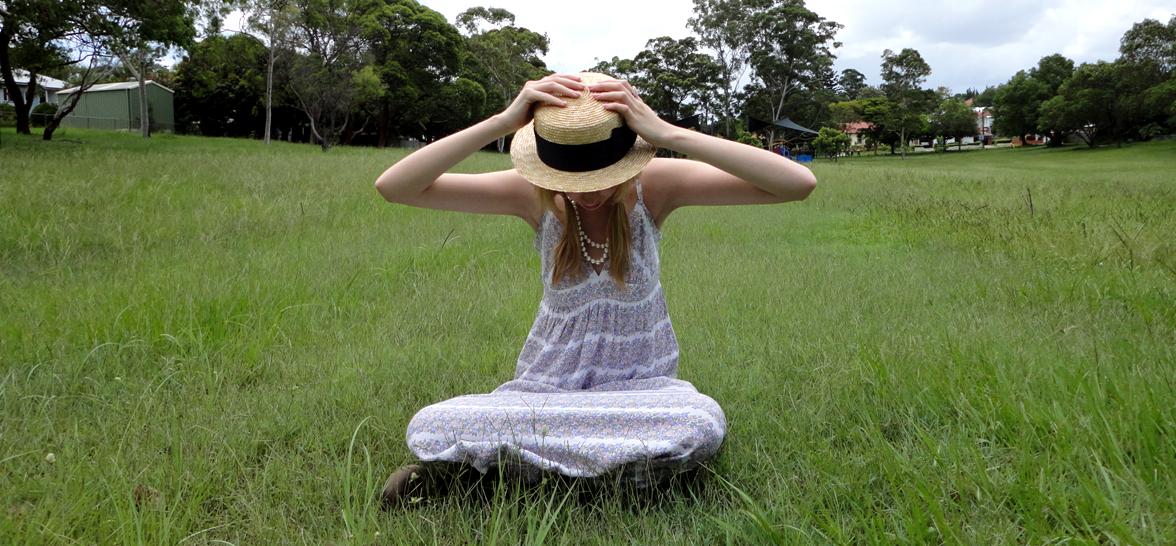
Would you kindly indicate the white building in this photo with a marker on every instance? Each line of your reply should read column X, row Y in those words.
column 983, row 120
column 47, row 88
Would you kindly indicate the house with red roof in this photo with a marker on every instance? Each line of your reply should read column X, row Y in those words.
column 856, row 131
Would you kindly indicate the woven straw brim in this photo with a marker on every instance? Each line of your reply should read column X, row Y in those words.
column 527, row 163
column 583, row 121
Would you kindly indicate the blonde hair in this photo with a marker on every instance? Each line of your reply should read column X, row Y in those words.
column 567, row 251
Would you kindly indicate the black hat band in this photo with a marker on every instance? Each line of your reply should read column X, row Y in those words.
column 578, row 158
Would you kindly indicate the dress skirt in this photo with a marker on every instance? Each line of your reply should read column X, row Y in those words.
column 643, row 429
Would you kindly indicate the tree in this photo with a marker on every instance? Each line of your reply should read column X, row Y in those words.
column 221, row 87
column 1161, row 100
column 1134, row 115
column 675, row 78
column 625, row 69
column 850, row 84
column 91, row 51
column 322, row 70
column 953, row 118
column 844, row 112
column 1016, row 105
column 270, row 22
column 986, row 97
column 1150, row 41
column 903, row 74
column 32, row 36
column 1052, row 71
column 724, row 26
column 417, row 56
column 1017, row 102
column 791, row 49
column 504, row 56
column 830, row 142
column 457, row 106
column 1100, row 100
column 1148, row 53
column 808, row 105
column 1061, row 113
column 875, row 110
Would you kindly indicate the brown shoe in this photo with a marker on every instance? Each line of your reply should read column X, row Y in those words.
column 406, row 485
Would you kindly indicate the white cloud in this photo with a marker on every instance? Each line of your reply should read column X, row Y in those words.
column 582, row 32
column 984, row 44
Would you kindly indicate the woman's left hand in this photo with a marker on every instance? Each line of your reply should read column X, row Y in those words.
column 620, row 97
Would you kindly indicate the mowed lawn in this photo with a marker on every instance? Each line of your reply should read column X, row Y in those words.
column 211, row 341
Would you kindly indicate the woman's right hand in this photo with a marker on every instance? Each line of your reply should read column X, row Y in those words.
column 545, row 91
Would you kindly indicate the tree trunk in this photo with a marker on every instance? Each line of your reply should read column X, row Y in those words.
column 902, row 142
column 21, row 106
column 65, row 110
column 30, row 94
column 144, row 120
column 777, row 111
column 382, row 126
column 269, row 80
column 315, row 134
column 50, row 127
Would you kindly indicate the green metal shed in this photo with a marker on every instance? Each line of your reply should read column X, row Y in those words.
column 115, row 106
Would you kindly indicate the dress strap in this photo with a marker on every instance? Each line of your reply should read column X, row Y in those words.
column 646, row 213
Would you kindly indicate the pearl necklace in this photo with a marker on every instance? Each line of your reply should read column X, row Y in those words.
column 585, row 242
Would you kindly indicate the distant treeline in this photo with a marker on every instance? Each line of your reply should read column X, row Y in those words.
column 375, row 72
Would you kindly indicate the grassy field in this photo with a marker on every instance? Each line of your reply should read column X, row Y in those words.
column 214, row 342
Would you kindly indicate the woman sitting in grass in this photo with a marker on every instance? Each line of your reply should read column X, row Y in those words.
column 595, row 389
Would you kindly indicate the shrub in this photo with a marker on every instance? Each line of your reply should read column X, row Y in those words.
column 7, row 115
column 749, row 139
column 830, row 142
column 41, row 114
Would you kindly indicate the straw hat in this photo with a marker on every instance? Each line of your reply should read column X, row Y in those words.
column 580, row 147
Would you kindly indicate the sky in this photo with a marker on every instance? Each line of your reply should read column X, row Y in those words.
column 972, row 44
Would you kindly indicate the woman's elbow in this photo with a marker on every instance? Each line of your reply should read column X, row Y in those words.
column 808, row 183
column 387, row 190
column 801, row 185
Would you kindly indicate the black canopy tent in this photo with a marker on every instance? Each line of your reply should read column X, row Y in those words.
column 789, row 130
column 691, row 122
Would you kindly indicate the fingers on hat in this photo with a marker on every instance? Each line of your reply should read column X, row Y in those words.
column 610, row 95
column 569, row 81
column 556, row 87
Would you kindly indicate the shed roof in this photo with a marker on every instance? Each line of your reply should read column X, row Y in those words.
column 114, row 87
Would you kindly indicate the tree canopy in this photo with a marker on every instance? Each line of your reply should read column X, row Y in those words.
column 903, row 74
column 374, row 71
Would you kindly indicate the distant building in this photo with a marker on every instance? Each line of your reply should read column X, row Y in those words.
column 856, row 130
column 115, row 106
column 47, row 88
column 984, row 120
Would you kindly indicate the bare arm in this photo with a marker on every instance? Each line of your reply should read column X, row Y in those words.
column 725, row 173
column 421, row 180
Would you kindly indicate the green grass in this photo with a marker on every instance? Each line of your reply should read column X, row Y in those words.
column 221, row 342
